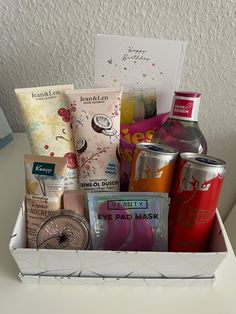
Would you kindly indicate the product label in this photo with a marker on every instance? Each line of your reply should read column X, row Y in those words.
column 191, row 216
column 93, row 99
column 128, row 204
column 44, row 169
column 45, row 95
column 130, row 209
column 185, row 108
column 198, row 180
column 37, row 209
column 102, row 184
column 126, row 216
column 150, row 174
column 55, row 187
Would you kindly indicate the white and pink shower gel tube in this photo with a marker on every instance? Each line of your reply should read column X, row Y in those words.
column 95, row 119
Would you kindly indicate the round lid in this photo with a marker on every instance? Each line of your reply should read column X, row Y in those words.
column 157, row 148
column 188, row 94
column 203, row 159
column 63, row 229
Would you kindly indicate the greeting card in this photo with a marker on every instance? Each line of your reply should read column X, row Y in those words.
column 149, row 68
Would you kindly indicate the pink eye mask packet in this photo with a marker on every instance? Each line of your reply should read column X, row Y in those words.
column 132, row 134
column 128, row 221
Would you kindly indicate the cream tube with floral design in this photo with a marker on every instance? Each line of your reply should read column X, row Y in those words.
column 95, row 118
column 47, row 121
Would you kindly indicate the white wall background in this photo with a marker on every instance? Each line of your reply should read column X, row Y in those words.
column 52, row 42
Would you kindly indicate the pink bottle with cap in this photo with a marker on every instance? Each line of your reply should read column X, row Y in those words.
column 181, row 129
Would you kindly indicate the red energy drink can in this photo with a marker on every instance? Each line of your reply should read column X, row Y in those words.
column 194, row 198
column 152, row 168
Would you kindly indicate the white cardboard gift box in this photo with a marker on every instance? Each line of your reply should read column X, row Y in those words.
column 96, row 267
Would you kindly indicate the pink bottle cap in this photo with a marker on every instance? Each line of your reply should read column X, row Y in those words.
column 188, row 94
column 74, row 200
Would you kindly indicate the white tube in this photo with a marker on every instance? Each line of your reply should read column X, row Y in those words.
column 95, row 118
column 47, row 121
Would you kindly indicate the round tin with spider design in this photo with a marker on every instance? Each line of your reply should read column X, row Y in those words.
column 63, row 229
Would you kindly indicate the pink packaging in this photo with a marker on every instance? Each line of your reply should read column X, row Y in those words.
column 129, row 221
column 130, row 135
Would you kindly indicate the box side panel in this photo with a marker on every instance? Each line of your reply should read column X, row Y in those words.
column 18, row 237
column 101, row 264
column 117, row 264
column 203, row 282
column 217, row 241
